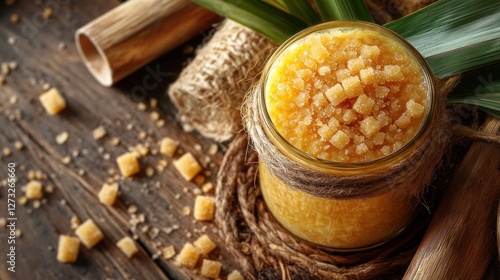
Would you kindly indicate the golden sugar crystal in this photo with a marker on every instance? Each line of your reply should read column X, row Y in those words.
column 211, row 269
column 108, row 193
column 205, row 244
column 89, row 233
column 168, row 252
column 363, row 105
column 367, row 76
column 340, row 140
column 235, row 275
column 355, row 65
column 168, row 146
column 67, row 249
column 336, row 94
column 188, row 256
column 128, row 164
column 187, row 166
column 352, row 86
column 369, row 126
column 52, row 101
column 127, row 246
column 34, row 190
column 204, row 208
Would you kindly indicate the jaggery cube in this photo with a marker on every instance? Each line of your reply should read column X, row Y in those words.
column 347, row 94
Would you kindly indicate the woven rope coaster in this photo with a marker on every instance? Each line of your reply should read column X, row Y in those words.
column 265, row 250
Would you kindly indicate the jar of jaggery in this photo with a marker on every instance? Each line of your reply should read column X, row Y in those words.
column 342, row 120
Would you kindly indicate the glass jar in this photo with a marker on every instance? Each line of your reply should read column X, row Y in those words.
column 338, row 223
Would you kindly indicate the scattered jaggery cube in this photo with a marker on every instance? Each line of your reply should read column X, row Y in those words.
column 168, row 252
column 207, row 187
column 204, row 208
column 188, row 256
column 168, row 146
column 211, row 269
column 67, row 249
column 235, row 275
column 52, row 101
column 205, row 244
column 99, row 132
column 187, row 166
column 108, row 193
column 74, row 222
column 127, row 245
column 128, row 164
column 89, row 233
column 34, row 190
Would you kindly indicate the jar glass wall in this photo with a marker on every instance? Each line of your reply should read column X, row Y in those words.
column 333, row 103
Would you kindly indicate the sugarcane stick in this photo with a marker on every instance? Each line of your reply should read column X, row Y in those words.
column 459, row 243
column 128, row 37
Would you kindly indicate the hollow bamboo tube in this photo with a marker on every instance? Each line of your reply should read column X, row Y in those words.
column 126, row 38
column 459, row 243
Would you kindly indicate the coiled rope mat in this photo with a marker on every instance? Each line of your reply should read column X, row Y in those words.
column 264, row 250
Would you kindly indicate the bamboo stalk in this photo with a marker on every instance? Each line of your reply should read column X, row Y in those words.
column 459, row 243
column 136, row 32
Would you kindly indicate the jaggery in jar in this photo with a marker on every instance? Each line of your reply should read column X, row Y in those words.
column 343, row 106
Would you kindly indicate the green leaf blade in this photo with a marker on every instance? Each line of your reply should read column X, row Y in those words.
column 262, row 17
column 343, row 10
column 454, row 36
column 479, row 88
column 302, row 10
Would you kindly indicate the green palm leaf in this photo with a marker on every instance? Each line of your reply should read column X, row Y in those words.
column 479, row 88
column 343, row 10
column 454, row 36
column 260, row 16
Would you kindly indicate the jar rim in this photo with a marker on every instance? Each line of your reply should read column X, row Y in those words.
column 346, row 168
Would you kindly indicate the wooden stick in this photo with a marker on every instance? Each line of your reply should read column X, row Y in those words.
column 459, row 243
column 136, row 32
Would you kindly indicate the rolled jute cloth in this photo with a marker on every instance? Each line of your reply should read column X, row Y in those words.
column 209, row 91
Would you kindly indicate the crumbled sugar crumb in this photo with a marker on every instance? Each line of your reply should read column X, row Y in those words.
column 6, row 152
column 99, row 132
column 168, row 146
column 235, row 275
column 34, row 190
column 62, row 137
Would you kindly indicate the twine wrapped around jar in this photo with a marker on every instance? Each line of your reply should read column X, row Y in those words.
column 210, row 90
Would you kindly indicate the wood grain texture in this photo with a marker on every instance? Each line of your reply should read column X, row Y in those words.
column 460, row 241
column 160, row 198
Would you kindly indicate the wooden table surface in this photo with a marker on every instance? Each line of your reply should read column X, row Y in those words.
column 45, row 53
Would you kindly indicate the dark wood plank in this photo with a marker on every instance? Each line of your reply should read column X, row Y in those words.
column 160, row 197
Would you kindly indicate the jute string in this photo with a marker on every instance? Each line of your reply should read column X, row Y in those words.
column 408, row 177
